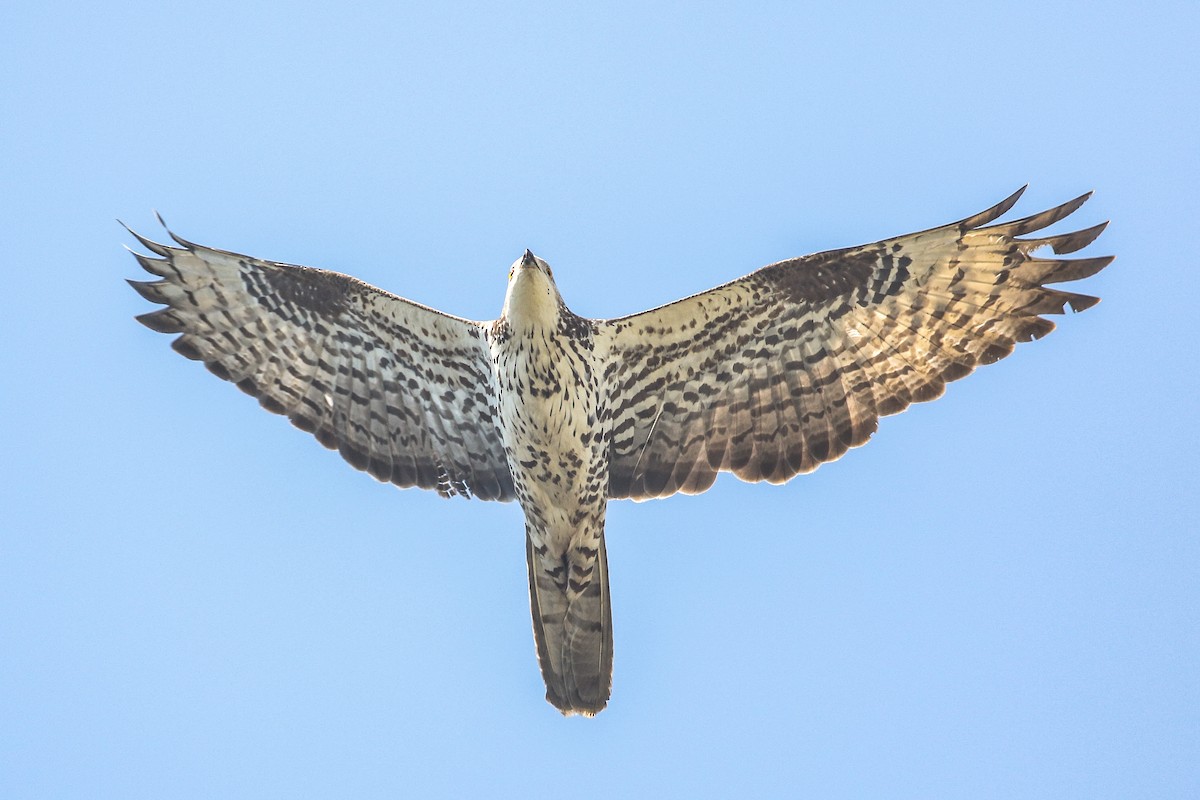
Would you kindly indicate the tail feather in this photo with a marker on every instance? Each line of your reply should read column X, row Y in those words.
column 572, row 627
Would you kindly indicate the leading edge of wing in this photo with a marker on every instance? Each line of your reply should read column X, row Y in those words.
column 156, row 266
column 1075, row 240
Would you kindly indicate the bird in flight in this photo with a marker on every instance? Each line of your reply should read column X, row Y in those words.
column 767, row 377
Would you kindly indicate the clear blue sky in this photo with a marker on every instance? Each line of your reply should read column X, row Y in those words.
column 998, row 597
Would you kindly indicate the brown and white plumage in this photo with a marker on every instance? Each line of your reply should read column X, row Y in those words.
column 766, row 377
column 772, row 374
column 400, row 390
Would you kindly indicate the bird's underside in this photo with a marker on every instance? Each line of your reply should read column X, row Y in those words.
column 767, row 376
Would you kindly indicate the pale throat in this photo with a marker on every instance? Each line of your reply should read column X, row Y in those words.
column 532, row 300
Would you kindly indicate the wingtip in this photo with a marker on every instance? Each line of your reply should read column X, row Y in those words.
column 150, row 290
column 1008, row 202
column 1083, row 198
column 158, row 216
column 1044, row 219
column 174, row 236
column 149, row 244
column 993, row 213
column 164, row 321
column 1070, row 243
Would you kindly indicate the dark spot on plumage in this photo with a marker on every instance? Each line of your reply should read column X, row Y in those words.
column 275, row 287
column 500, row 331
column 218, row 369
column 821, row 277
column 575, row 327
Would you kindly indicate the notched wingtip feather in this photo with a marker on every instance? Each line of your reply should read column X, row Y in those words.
column 993, row 213
column 1070, row 242
column 1082, row 302
column 163, row 321
column 150, row 290
column 149, row 244
column 174, row 236
column 1073, row 269
column 155, row 266
column 1044, row 219
column 1055, row 301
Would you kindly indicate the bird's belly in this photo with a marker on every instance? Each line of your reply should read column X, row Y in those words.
column 551, row 452
column 556, row 451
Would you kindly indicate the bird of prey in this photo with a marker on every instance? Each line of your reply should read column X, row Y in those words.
column 767, row 377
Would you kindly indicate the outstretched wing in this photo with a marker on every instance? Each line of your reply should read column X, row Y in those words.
column 400, row 390
column 772, row 374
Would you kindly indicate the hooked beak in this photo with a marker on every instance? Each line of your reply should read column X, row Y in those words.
column 527, row 260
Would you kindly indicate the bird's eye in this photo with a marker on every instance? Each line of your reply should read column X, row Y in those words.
column 549, row 271
column 512, row 272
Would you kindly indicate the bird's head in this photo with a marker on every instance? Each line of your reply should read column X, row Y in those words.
column 532, row 297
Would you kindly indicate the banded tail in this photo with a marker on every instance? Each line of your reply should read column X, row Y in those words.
column 572, row 626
